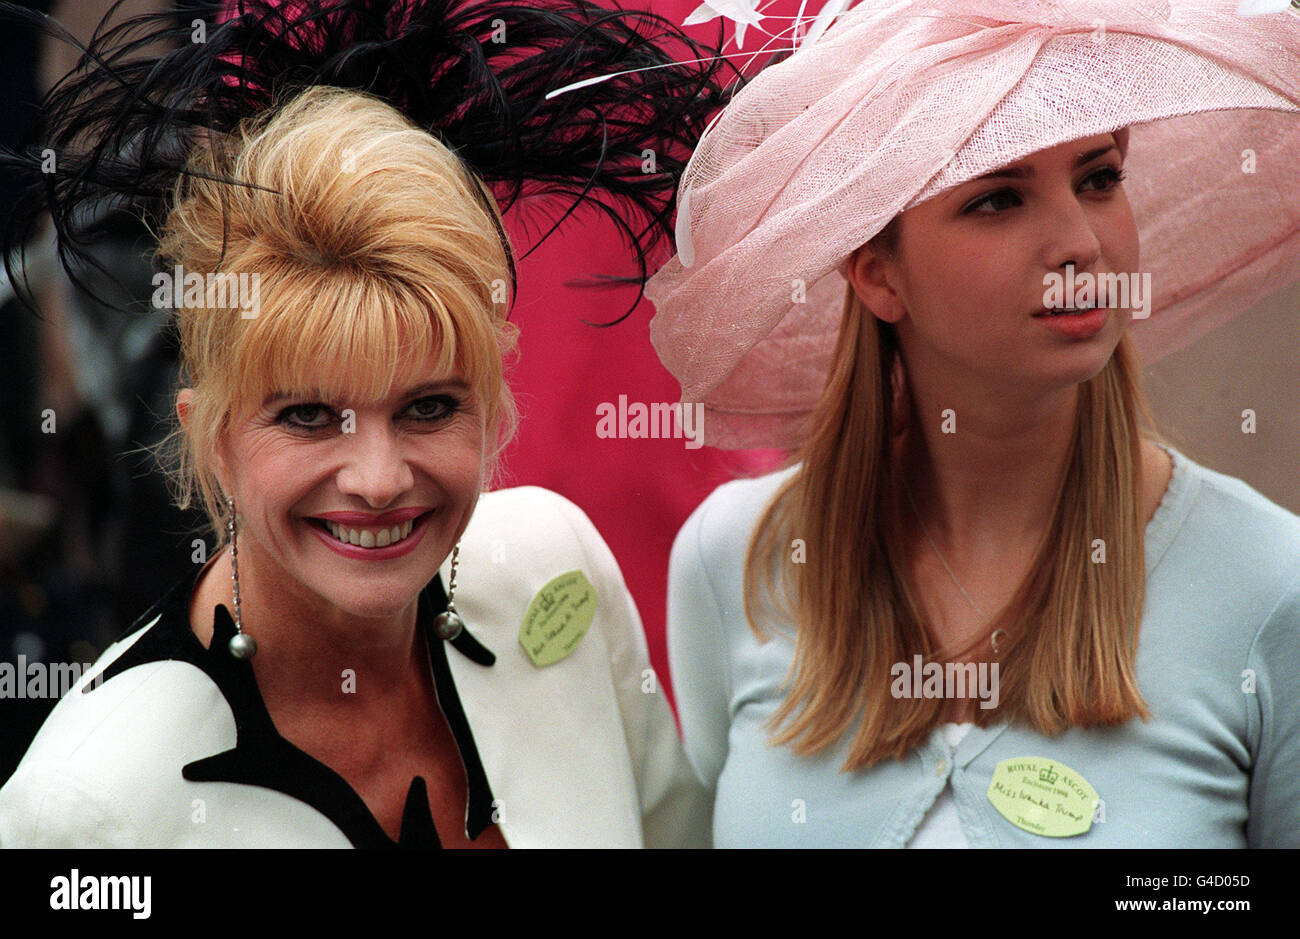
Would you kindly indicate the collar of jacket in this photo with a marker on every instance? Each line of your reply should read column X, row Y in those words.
column 261, row 757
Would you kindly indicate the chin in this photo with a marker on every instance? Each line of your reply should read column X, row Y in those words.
column 1055, row 376
column 1087, row 362
column 377, row 604
column 362, row 589
column 1087, row 372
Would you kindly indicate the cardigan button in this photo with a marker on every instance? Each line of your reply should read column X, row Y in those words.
column 941, row 767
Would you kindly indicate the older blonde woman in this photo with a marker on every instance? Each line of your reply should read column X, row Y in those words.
column 379, row 652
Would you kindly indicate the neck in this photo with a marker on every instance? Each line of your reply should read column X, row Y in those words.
column 310, row 652
column 985, row 474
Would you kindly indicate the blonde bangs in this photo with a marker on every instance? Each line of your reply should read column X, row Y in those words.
column 368, row 251
column 354, row 341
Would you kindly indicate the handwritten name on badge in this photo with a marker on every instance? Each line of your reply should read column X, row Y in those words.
column 1043, row 796
column 557, row 618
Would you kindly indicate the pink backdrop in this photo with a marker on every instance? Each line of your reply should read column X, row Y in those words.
column 638, row 492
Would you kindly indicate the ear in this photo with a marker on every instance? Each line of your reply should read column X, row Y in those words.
column 184, row 404
column 184, row 401
column 873, row 277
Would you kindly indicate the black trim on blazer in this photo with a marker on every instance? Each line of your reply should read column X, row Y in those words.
column 261, row 757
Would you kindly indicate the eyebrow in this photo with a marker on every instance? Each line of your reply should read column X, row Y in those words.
column 416, row 392
column 1027, row 172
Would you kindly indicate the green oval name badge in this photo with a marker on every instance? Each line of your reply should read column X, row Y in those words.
column 1043, row 796
column 557, row 618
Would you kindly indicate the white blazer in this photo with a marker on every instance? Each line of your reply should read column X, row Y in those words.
column 580, row 753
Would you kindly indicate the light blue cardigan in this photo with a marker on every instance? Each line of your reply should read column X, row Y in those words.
column 1215, row 767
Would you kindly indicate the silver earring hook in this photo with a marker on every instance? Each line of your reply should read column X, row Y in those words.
column 448, row 625
column 242, row 645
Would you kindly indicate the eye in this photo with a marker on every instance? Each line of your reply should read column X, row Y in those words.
column 1108, row 176
column 997, row 195
column 309, row 416
column 1111, row 175
column 433, row 408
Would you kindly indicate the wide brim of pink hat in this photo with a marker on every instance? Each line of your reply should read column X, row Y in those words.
column 898, row 102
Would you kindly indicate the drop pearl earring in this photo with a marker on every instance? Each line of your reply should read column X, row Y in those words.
column 242, row 645
column 448, row 625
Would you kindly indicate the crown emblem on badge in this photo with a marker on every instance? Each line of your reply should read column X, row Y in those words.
column 1047, row 775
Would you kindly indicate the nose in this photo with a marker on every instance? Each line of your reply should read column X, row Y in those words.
column 374, row 463
column 1070, row 236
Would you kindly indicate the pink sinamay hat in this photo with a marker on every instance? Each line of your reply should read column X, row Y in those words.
column 898, row 101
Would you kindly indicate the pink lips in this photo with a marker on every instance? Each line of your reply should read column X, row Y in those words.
column 358, row 553
column 365, row 520
column 1077, row 326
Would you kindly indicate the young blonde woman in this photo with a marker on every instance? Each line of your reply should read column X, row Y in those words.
column 379, row 653
column 986, row 606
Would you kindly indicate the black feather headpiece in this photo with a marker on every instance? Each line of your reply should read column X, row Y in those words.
column 475, row 73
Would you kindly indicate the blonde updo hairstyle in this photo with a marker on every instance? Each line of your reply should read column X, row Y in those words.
column 371, row 242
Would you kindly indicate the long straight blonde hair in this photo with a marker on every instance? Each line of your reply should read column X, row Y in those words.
column 1071, row 626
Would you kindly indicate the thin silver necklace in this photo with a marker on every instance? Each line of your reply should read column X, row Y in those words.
column 939, row 554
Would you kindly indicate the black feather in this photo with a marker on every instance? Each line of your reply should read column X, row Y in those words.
column 122, row 124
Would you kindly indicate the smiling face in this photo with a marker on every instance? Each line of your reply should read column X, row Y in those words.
column 969, row 276
column 296, row 462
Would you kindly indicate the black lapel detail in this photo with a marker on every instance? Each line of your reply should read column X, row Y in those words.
column 434, row 600
column 160, row 643
column 261, row 757
column 478, row 814
column 417, row 823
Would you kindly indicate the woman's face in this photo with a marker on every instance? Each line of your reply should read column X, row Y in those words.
column 414, row 461
column 973, row 267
